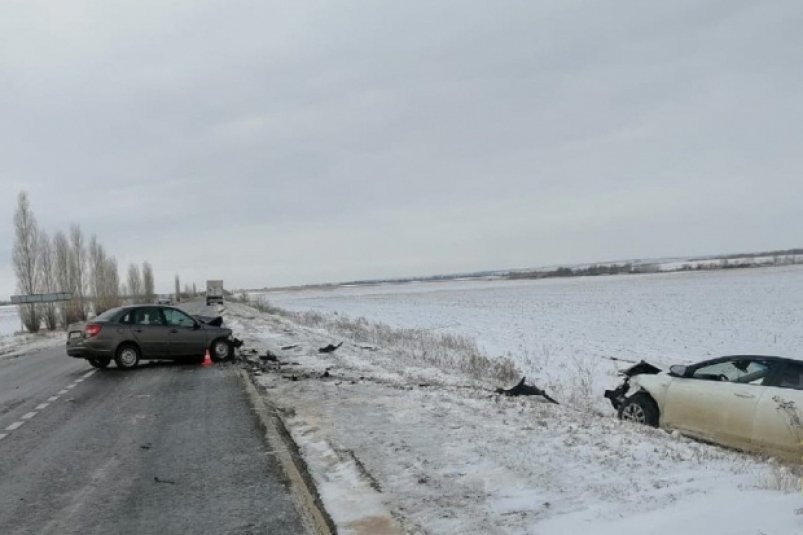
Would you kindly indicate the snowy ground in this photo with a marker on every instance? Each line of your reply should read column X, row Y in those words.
column 397, row 446
column 15, row 343
column 9, row 320
column 559, row 329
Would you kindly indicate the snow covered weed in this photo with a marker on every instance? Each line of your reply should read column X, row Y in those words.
column 445, row 351
column 781, row 478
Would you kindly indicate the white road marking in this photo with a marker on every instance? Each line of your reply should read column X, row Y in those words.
column 41, row 406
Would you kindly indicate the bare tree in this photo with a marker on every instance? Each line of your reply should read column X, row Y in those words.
column 134, row 282
column 147, row 282
column 97, row 264
column 61, row 269
column 78, row 270
column 47, row 278
column 194, row 290
column 178, row 289
column 109, row 283
column 25, row 257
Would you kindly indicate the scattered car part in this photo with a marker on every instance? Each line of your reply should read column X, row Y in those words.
column 268, row 356
column 330, row 348
column 522, row 389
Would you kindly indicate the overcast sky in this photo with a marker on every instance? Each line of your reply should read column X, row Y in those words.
column 275, row 143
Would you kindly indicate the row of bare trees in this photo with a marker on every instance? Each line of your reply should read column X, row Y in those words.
column 66, row 263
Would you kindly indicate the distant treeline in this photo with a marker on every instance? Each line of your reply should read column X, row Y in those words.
column 780, row 257
column 784, row 257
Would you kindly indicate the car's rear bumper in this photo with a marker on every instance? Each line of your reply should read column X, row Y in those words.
column 84, row 350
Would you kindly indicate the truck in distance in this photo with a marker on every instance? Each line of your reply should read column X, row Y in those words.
column 214, row 292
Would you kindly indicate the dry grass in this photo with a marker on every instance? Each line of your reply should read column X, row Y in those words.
column 420, row 347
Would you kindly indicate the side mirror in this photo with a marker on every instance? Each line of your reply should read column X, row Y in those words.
column 678, row 370
column 196, row 326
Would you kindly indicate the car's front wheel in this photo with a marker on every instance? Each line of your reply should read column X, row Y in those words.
column 127, row 356
column 640, row 409
column 100, row 362
column 221, row 350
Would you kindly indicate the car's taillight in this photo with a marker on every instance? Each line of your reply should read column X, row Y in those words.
column 93, row 329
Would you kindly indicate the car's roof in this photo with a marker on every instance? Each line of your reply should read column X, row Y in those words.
column 765, row 357
column 140, row 305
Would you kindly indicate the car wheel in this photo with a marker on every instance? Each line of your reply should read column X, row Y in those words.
column 127, row 357
column 221, row 350
column 99, row 363
column 640, row 409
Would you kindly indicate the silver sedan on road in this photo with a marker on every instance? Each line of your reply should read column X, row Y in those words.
column 131, row 333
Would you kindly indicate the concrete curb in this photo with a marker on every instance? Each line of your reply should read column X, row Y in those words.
column 286, row 451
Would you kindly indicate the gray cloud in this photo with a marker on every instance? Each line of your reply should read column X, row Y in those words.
column 273, row 143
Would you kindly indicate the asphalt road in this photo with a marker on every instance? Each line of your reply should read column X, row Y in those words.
column 163, row 448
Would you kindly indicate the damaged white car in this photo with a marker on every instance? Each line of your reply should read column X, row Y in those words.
column 746, row 402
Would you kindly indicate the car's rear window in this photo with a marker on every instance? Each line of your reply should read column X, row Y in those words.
column 109, row 314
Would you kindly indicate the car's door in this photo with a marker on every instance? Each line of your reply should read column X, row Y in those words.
column 778, row 426
column 150, row 331
column 717, row 400
column 187, row 339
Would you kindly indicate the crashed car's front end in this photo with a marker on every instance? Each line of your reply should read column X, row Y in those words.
column 617, row 395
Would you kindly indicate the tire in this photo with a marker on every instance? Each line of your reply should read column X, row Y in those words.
column 640, row 409
column 221, row 350
column 99, row 363
column 127, row 356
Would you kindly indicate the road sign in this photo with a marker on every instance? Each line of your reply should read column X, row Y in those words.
column 41, row 298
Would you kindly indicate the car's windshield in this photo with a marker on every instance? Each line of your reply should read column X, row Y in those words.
column 735, row 371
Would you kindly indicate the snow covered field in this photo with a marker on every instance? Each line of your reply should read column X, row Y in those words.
column 394, row 445
column 9, row 320
column 12, row 344
column 562, row 330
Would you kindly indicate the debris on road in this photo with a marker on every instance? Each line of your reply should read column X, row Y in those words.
column 287, row 348
column 268, row 356
column 165, row 481
column 330, row 348
column 146, row 446
column 522, row 389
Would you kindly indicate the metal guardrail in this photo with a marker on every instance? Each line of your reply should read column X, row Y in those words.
column 40, row 298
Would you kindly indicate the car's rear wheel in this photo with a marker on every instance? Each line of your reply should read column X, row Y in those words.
column 100, row 362
column 640, row 409
column 221, row 350
column 127, row 356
